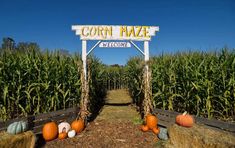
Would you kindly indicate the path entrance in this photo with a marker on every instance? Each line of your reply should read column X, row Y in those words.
column 116, row 126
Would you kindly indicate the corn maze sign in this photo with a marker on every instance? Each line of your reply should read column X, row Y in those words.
column 104, row 32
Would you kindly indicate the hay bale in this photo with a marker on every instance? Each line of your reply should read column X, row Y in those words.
column 199, row 136
column 22, row 140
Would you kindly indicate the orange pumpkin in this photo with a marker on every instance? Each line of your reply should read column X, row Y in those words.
column 78, row 125
column 151, row 121
column 50, row 131
column 185, row 120
column 156, row 130
column 151, row 124
column 144, row 128
column 63, row 134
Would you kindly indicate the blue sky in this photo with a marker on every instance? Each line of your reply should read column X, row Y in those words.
column 184, row 24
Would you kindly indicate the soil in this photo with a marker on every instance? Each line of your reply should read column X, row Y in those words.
column 117, row 125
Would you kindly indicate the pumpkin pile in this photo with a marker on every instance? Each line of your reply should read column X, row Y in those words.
column 51, row 131
column 184, row 120
column 150, row 124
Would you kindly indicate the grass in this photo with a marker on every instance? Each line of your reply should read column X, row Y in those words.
column 114, row 113
column 118, row 97
column 123, row 113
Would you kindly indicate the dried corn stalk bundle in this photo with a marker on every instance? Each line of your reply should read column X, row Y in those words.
column 84, row 102
column 148, row 102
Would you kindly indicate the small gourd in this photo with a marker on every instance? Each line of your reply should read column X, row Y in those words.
column 71, row 133
column 184, row 120
column 63, row 125
column 156, row 130
column 151, row 121
column 78, row 125
column 144, row 128
column 151, row 124
column 17, row 127
column 63, row 134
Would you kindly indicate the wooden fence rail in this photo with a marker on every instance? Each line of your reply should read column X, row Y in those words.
column 167, row 118
column 36, row 122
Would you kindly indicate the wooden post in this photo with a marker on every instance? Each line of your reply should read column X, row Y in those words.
column 147, row 82
column 146, row 57
column 84, row 52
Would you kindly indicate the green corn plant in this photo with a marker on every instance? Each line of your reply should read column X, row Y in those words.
column 198, row 82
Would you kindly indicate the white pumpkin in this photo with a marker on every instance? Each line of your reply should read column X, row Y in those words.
column 64, row 125
column 71, row 133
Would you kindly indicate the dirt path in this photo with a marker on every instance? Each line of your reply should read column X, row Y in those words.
column 117, row 125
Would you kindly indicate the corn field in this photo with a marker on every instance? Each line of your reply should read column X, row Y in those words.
column 200, row 83
column 34, row 82
column 115, row 77
column 135, row 68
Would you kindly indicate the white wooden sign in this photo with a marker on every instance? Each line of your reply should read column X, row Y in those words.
column 115, row 45
column 108, row 32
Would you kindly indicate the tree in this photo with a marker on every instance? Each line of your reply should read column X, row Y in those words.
column 8, row 43
column 63, row 52
column 25, row 46
column 22, row 46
